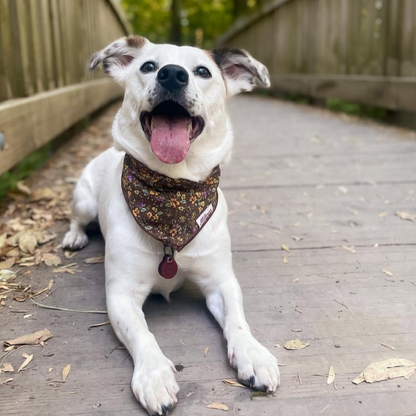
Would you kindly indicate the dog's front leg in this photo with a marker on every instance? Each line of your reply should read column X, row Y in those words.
column 256, row 366
column 153, row 381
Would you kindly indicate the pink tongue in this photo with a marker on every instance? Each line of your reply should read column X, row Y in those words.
column 170, row 138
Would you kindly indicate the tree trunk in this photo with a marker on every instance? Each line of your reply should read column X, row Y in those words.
column 175, row 32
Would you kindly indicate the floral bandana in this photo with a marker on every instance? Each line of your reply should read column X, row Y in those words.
column 172, row 211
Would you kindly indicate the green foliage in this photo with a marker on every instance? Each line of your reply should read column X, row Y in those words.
column 360, row 110
column 201, row 21
column 28, row 165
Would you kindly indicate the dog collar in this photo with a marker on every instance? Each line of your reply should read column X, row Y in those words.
column 173, row 211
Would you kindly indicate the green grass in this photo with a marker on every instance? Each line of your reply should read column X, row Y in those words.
column 23, row 169
column 360, row 110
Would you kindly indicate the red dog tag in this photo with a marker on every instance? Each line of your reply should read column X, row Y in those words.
column 168, row 267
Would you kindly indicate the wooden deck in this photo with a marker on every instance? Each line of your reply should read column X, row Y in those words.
column 297, row 172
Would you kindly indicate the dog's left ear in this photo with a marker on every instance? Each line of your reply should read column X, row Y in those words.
column 240, row 70
column 117, row 56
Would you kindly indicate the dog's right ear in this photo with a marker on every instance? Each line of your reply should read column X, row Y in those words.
column 117, row 56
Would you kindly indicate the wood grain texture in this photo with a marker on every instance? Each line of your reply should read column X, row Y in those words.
column 29, row 123
column 357, row 50
column 312, row 155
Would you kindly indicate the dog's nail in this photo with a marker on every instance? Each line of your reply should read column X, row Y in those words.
column 252, row 381
column 165, row 410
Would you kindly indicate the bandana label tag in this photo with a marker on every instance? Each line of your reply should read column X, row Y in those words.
column 201, row 220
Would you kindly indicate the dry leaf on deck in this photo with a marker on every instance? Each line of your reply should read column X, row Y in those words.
column 406, row 216
column 38, row 337
column 40, row 194
column 51, row 260
column 296, row 344
column 387, row 369
column 296, row 238
column 7, row 263
column 331, row 375
column 6, row 381
column 22, row 188
column 94, row 260
column 218, row 406
column 350, row 249
column 28, row 359
column 234, row 383
column 28, row 242
column 387, row 346
column 285, row 248
column 65, row 372
column 44, row 237
column 206, row 351
column 387, row 272
column 285, row 260
column 7, row 368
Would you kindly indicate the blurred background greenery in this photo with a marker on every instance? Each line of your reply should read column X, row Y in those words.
column 186, row 22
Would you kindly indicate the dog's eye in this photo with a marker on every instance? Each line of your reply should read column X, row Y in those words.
column 148, row 67
column 202, row 72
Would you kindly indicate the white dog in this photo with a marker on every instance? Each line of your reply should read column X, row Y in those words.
column 173, row 123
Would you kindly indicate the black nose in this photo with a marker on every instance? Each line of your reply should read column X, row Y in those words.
column 172, row 77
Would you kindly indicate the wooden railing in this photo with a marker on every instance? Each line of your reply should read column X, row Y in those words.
column 361, row 51
column 45, row 84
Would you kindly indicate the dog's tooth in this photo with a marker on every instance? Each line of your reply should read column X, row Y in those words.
column 151, row 124
column 189, row 127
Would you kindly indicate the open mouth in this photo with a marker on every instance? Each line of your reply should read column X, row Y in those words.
column 170, row 129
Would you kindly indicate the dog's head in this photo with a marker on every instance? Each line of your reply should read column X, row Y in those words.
column 175, row 96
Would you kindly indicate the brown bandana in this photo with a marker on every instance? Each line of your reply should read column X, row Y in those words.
column 172, row 211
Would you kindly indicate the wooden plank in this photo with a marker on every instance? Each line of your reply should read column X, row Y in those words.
column 29, row 123
column 394, row 93
column 381, row 308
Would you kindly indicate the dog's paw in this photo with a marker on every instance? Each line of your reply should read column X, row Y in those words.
column 155, row 386
column 75, row 240
column 257, row 367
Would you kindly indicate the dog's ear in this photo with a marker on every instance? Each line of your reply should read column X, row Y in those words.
column 240, row 70
column 118, row 55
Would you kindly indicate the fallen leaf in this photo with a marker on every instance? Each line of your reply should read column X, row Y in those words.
column 50, row 284
column 7, row 368
column 22, row 188
column 285, row 260
column 206, row 351
column 387, row 272
column 296, row 344
column 406, row 216
column 28, row 359
column 27, row 242
column 331, row 375
column 69, row 254
column 42, row 194
column 7, row 263
column 285, row 248
column 343, row 189
column 296, row 238
column 6, row 381
column 218, row 406
column 44, row 237
column 234, row 383
column 94, row 260
column 38, row 337
column 350, row 249
column 386, row 370
column 51, row 260
column 388, row 346
column 65, row 372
